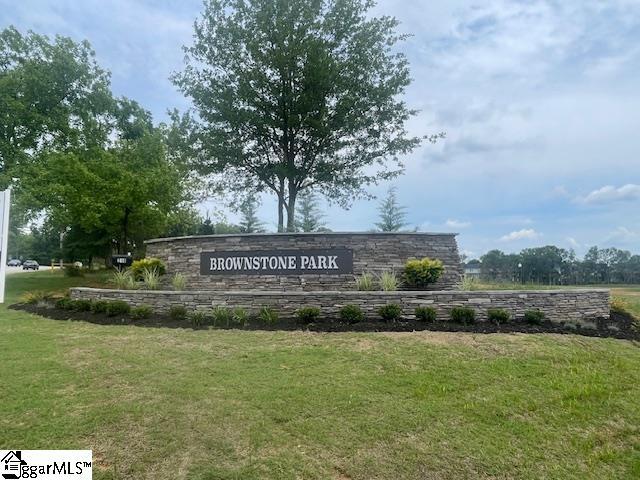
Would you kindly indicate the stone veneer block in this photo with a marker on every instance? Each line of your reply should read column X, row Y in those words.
column 557, row 305
column 372, row 252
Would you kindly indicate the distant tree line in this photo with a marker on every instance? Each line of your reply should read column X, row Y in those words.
column 552, row 265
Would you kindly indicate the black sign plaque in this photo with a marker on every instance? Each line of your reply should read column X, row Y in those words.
column 330, row 261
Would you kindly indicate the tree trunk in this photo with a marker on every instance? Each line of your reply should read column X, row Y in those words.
column 125, row 231
column 291, row 208
column 281, row 206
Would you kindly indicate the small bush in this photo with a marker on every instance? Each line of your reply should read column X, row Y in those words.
column 463, row 315
column 178, row 312
column 151, row 279
column 390, row 312
column 33, row 298
column 64, row 303
column 73, row 271
column 197, row 318
column 123, row 280
column 498, row 315
column 351, row 314
column 534, row 317
column 365, row 282
column 470, row 283
column 268, row 316
column 221, row 316
column 240, row 317
column 82, row 305
column 179, row 282
column 388, row 281
column 307, row 315
column 426, row 314
column 139, row 266
column 421, row 273
column 99, row 306
column 117, row 307
column 140, row 312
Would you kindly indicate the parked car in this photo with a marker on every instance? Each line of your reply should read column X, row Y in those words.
column 14, row 262
column 30, row 265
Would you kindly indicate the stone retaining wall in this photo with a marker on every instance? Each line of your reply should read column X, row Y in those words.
column 558, row 305
column 372, row 252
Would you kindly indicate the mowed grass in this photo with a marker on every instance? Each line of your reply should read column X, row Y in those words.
column 182, row 404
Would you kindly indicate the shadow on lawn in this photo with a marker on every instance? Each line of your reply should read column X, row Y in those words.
column 620, row 326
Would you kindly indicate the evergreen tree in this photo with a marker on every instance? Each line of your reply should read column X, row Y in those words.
column 392, row 215
column 250, row 223
column 309, row 217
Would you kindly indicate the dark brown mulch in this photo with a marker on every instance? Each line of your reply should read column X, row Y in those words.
column 624, row 326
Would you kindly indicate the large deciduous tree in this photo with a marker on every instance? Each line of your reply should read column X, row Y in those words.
column 298, row 94
column 52, row 95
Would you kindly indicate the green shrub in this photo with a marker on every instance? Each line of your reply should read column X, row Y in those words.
column 421, row 273
column 463, row 315
column 351, row 314
column 178, row 312
column 64, row 303
column 388, row 281
column 498, row 315
column 151, row 279
column 221, row 316
column 73, row 271
column 268, row 316
column 240, row 317
column 365, row 282
column 390, row 312
column 308, row 314
column 123, row 280
column 141, row 311
column 534, row 317
column 117, row 307
column 139, row 266
column 82, row 305
column 179, row 282
column 99, row 306
column 197, row 318
column 426, row 314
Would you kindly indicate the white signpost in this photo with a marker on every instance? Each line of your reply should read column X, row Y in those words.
column 5, row 203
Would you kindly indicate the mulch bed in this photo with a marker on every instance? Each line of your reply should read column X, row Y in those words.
column 624, row 325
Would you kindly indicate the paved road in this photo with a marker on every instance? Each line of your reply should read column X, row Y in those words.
column 12, row 270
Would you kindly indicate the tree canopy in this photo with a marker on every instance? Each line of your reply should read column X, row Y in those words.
column 392, row 214
column 295, row 95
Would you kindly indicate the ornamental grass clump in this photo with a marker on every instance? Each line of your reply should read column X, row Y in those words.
column 388, row 281
column 419, row 274
column 221, row 316
column 365, row 282
column 197, row 318
column 151, row 279
column 123, row 280
column 179, row 282
column 268, row 316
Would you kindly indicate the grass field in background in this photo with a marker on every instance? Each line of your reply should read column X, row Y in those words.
column 157, row 403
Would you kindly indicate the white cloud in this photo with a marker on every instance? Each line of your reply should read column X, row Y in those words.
column 573, row 242
column 609, row 194
column 524, row 234
column 623, row 234
column 457, row 224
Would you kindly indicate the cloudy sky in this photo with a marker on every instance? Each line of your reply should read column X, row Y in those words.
column 540, row 101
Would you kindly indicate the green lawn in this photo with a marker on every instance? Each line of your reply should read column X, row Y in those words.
column 173, row 404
